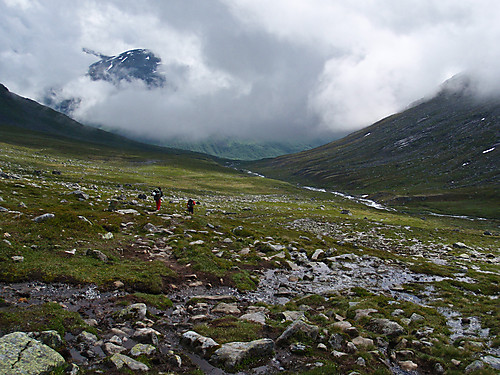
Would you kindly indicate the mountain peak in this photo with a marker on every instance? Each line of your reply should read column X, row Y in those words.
column 140, row 64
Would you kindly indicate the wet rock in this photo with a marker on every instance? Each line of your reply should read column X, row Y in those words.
column 232, row 354
column 43, row 217
column 120, row 360
column 146, row 336
column 202, row 345
column 226, row 308
column 135, row 311
column 299, row 326
column 386, row 327
column 142, row 349
column 21, row 354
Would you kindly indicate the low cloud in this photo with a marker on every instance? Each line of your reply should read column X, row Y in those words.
column 249, row 68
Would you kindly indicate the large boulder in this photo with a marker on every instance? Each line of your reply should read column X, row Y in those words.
column 232, row 354
column 23, row 355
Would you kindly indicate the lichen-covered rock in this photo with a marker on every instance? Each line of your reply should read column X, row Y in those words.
column 23, row 355
column 232, row 354
column 142, row 349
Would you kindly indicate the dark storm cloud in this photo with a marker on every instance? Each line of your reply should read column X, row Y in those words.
column 249, row 68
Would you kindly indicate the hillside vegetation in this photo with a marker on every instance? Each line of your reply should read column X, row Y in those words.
column 318, row 284
column 442, row 154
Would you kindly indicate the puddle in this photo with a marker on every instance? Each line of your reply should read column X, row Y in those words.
column 472, row 327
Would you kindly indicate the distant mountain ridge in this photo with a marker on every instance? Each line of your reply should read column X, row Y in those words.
column 26, row 114
column 140, row 64
column 450, row 141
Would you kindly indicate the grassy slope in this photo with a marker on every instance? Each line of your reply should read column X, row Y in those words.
column 430, row 156
column 262, row 207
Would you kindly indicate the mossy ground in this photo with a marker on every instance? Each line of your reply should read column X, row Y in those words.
column 232, row 205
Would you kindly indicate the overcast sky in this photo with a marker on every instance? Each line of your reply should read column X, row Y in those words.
column 249, row 68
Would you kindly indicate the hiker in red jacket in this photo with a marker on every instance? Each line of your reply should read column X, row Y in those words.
column 157, row 194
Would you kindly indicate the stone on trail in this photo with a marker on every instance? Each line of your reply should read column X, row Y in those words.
column 226, row 308
column 232, row 354
column 146, row 336
column 23, row 355
column 135, row 311
column 256, row 317
column 200, row 344
column 120, row 360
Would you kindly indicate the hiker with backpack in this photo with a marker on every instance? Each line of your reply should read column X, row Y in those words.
column 157, row 194
column 190, row 205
